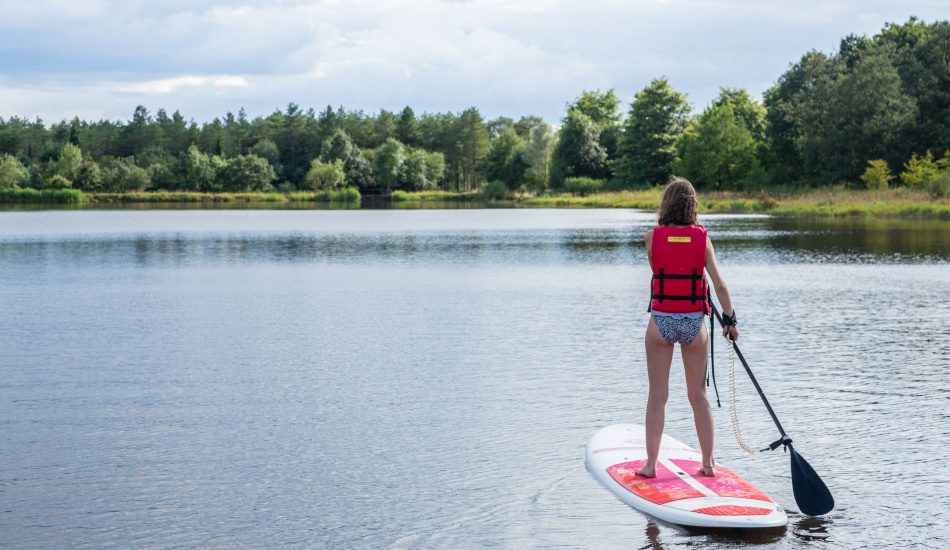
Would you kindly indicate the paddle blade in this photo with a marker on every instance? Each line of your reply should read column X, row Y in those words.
column 811, row 494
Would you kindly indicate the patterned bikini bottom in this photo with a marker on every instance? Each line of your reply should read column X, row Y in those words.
column 673, row 330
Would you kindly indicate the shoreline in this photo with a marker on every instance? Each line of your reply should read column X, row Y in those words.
column 897, row 202
column 889, row 203
column 41, row 197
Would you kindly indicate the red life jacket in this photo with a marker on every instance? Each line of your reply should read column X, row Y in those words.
column 679, row 260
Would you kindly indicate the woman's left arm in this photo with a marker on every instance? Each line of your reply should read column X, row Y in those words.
column 721, row 291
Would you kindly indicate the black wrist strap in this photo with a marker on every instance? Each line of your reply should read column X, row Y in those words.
column 730, row 320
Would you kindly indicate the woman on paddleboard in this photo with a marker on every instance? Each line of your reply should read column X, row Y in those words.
column 680, row 254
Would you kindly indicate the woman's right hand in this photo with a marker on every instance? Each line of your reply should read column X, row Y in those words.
column 730, row 332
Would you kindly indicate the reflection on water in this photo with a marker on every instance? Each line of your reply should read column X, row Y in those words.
column 311, row 236
column 430, row 378
column 653, row 535
column 880, row 240
column 811, row 528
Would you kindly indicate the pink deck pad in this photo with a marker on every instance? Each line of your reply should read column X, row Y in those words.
column 725, row 484
column 665, row 487
column 733, row 510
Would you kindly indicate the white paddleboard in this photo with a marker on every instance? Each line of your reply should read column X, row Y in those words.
column 679, row 493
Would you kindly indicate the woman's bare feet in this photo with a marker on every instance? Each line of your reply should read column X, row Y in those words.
column 647, row 471
column 708, row 471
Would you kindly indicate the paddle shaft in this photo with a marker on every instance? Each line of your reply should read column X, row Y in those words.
column 751, row 376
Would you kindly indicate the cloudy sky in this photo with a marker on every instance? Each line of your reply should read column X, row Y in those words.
column 97, row 58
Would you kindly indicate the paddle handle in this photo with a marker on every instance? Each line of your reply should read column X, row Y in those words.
column 749, row 371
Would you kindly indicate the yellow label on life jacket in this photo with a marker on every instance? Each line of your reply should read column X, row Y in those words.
column 679, row 239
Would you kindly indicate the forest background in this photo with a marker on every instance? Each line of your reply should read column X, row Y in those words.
column 873, row 114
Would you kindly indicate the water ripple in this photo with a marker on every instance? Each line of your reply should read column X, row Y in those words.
column 429, row 379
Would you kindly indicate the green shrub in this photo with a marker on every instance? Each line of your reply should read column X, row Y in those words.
column 939, row 185
column 346, row 194
column 583, row 186
column 400, row 196
column 121, row 175
column 326, row 175
column 245, row 173
column 495, row 190
column 877, row 175
column 943, row 163
column 12, row 173
column 765, row 201
column 59, row 182
column 918, row 171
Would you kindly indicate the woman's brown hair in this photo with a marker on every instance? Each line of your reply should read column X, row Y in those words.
column 678, row 204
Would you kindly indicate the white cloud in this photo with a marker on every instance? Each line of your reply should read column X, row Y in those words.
column 206, row 57
column 170, row 85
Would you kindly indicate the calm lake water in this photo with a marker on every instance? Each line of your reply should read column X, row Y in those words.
column 430, row 378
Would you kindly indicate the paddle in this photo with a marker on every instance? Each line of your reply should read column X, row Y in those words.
column 811, row 494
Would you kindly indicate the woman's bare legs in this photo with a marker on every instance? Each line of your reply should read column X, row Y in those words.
column 659, row 358
column 694, row 360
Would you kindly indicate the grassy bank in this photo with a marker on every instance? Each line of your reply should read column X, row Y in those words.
column 900, row 202
column 435, row 196
column 74, row 196
column 348, row 194
column 828, row 202
column 184, row 197
column 42, row 196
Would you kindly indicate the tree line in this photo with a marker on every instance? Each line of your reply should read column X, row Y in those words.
column 884, row 98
